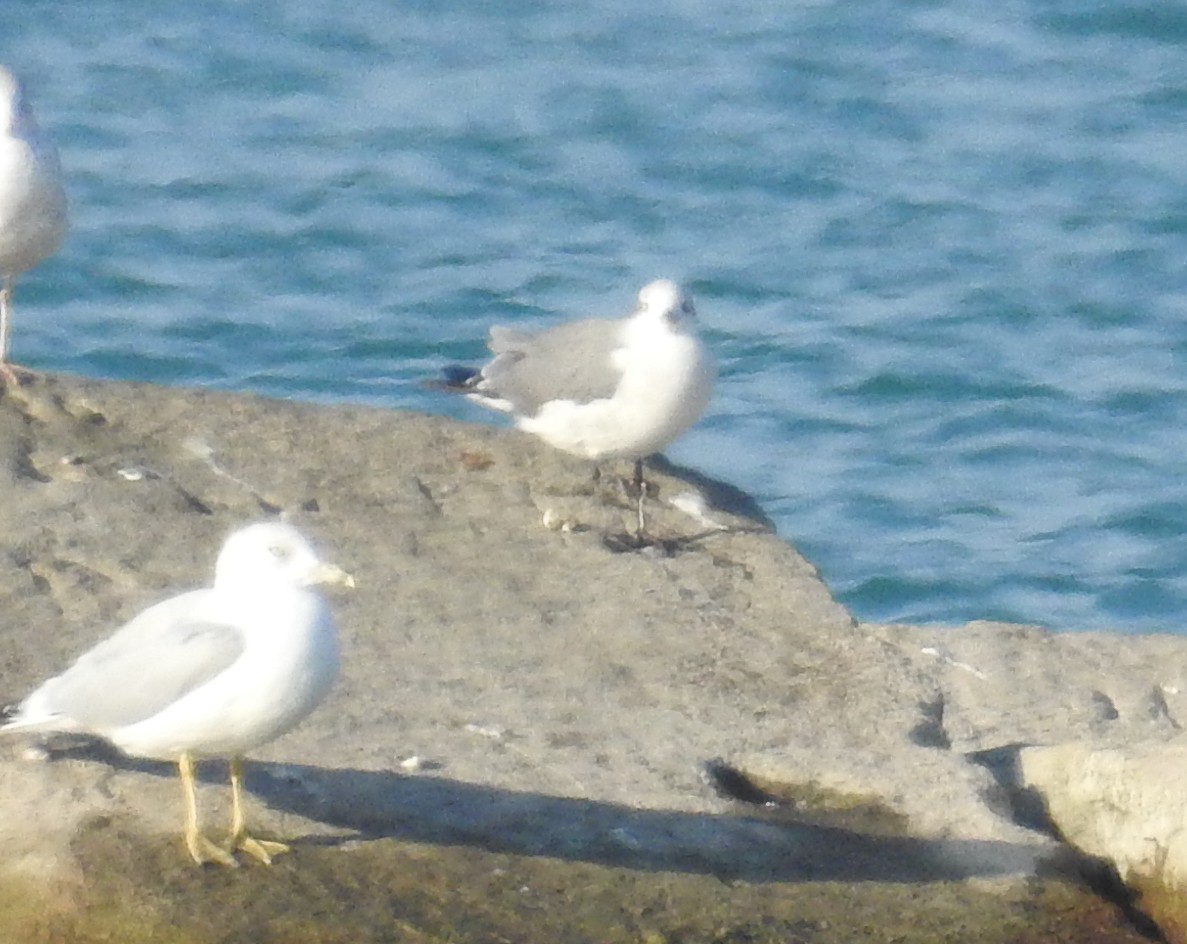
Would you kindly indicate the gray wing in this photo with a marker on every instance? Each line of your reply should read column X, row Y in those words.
column 569, row 362
column 147, row 665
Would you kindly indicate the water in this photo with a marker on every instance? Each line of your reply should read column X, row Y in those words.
column 938, row 247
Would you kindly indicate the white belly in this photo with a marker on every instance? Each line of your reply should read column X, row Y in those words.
column 661, row 394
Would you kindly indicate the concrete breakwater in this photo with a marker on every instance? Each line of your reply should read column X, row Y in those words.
column 681, row 743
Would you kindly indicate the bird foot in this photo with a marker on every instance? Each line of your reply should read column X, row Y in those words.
column 203, row 851
column 261, row 849
column 625, row 542
column 14, row 377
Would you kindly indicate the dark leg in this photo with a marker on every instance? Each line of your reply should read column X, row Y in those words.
column 641, row 485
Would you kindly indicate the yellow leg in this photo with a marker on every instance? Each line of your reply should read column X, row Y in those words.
column 261, row 849
column 201, row 848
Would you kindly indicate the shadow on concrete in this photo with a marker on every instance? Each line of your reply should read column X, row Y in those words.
column 719, row 495
column 432, row 809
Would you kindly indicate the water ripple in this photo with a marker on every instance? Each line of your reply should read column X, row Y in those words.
column 937, row 247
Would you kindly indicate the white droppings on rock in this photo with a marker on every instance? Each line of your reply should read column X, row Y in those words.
column 556, row 521
column 492, row 731
column 948, row 660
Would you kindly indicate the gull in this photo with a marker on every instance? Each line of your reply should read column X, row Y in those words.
column 210, row 673
column 32, row 199
column 601, row 388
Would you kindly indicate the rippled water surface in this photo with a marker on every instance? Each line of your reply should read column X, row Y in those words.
column 938, row 248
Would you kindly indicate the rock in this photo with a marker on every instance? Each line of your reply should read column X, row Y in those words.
column 1124, row 805
column 565, row 702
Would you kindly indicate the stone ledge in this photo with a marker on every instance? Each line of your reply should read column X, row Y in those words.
column 520, row 688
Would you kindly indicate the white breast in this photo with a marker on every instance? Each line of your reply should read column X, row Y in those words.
column 32, row 204
column 667, row 379
column 279, row 679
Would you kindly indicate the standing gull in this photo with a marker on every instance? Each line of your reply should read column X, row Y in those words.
column 210, row 673
column 32, row 200
column 601, row 388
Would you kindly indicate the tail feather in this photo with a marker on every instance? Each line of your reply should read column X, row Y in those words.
column 15, row 718
column 34, row 714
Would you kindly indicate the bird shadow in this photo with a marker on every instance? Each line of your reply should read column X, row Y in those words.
column 753, row 845
column 719, row 495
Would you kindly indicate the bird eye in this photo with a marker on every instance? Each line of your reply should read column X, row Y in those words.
column 279, row 551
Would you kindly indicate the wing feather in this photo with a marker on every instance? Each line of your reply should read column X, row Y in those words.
column 573, row 361
column 151, row 662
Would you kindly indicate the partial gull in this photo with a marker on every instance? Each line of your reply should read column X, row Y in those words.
column 210, row 673
column 601, row 388
column 32, row 199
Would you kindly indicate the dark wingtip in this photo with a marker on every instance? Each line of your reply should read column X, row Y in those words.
column 458, row 375
column 455, row 378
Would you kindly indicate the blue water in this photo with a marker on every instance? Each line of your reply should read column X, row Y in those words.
column 939, row 248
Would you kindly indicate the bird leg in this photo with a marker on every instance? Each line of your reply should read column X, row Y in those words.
column 635, row 489
column 5, row 301
column 10, row 374
column 641, row 485
column 7, row 374
column 201, row 848
column 261, row 849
